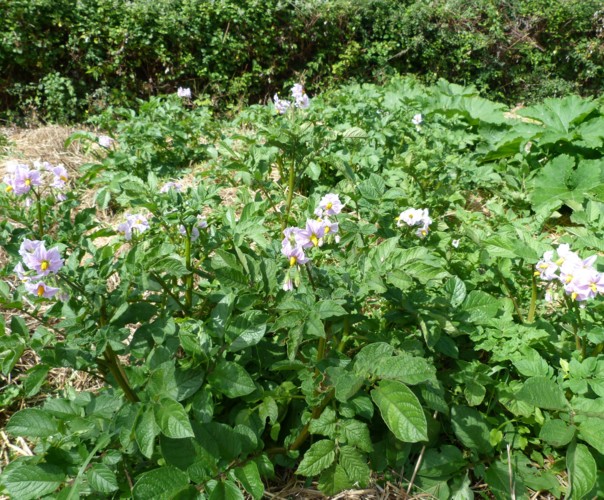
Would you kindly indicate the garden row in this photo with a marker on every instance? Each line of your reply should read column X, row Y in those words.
column 395, row 282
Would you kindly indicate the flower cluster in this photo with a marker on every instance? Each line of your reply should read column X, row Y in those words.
column 134, row 224
column 202, row 223
column 21, row 179
column 39, row 263
column 416, row 217
column 301, row 100
column 184, row 92
column 296, row 239
column 578, row 277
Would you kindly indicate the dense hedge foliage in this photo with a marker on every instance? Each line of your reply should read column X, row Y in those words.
column 62, row 59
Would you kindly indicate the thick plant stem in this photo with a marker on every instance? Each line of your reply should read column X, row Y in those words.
column 532, row 308
column 117, row 370
column 114, row 364
column 316, row 413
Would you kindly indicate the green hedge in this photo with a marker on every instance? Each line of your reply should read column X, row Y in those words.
column 61, row 59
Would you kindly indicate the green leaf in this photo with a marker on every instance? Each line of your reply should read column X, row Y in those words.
column 355, row 466
column 455, row 288
column 172, row 265
column 356, row 433
column 370, row 355
column 543, row 392
column 246, row 330
column 582, row 470
column 354, row 133
column 19, row 327
column 32, row 481
column 480, row 307
column 249, row 476
column 401, row 411
column 36, row 376
column 329, row 309
column 172, row 419
column 325, row 424
column 11, row 350
column 474, row 392
column 556, row 432
column 102, row 479
column 334, row 480
column 32, row 422
column 471, row 429
column 145, row 432
column 226, row 490
column 161, row 483
column 373, row 188
column 318, row 457
column 231, row 379
column 560, row 114
column 408, row 369
column 591, row 431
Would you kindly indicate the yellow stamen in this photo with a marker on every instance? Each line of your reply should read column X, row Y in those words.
column 543, row 266
column 40, row 290
column 9, row 189
column 314, row 240
column 593, row 287
column 292, row 261
column 27, row 182
column 63, row 178
column 568, row 279
column 537, row 273
column 44, row 265
column 574, row 295
column 560, row 261
column 329, row 205
column 327, row 229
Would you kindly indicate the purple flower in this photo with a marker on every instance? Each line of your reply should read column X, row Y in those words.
column 21, row 179
column 134, row 224
column 312, row 235
column 301, row 100
column 281, row 105
column 44, row 261
column 202, row 223
column 60, row 176
column 288, row 284
column 295, row 254
column 28, row 247
column 105, row 141
column 184, row 92
column 171, row 185
column 331, row 204
column 41, row 289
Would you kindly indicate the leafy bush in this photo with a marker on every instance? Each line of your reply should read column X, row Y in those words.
column 423, row 335
column 62, row 59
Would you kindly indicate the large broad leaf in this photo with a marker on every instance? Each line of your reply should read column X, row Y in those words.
column 231, row 379
column 401, row 411
column 226, row 490
column 32, row 481
column 543, row 392
column 319, row 456
column 560, row 114
column 162, row 483
column 582, row 470
column 249, row 476
column 172, row 419
column 559, row 182
column 557, row 433
column 355, row 465
column 479, row 306
column 145, row 432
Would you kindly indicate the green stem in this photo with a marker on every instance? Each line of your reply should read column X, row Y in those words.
column 290, row 194
column 166, row 288
column 189, row 277
column 316, row 413
column 117, row 370
column 40, row 216
column 532, row 308
column 510, row 295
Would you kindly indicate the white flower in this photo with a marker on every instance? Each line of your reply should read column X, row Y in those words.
column 417, row 119
column 105, row 141
column 455, row 243
column 184, row 92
